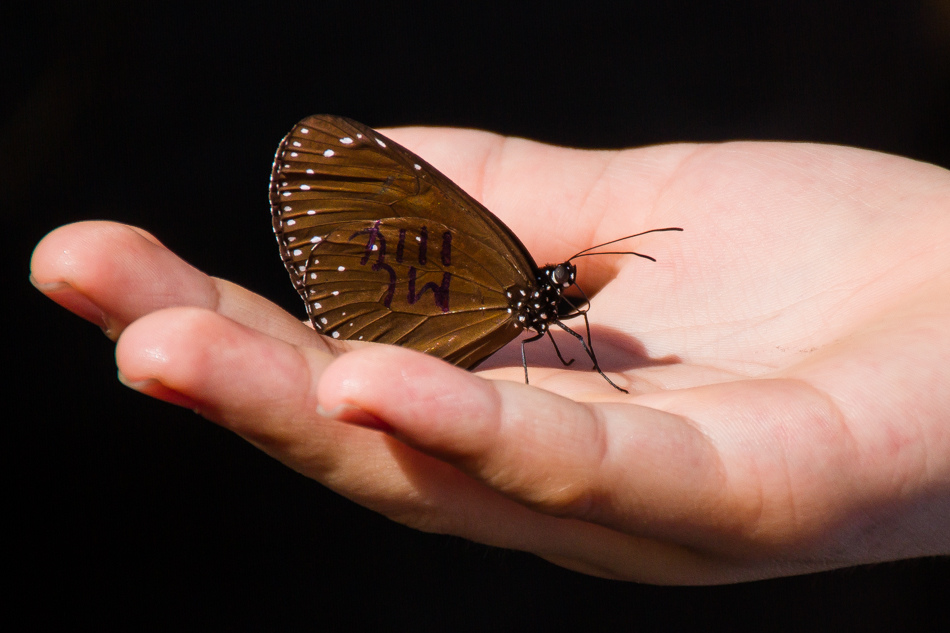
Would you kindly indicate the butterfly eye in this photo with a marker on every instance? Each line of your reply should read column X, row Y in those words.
column 563, row 275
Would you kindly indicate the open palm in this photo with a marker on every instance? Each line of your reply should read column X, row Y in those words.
column 787, row 358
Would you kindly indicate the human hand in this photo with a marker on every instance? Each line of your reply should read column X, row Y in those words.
column 787, row 361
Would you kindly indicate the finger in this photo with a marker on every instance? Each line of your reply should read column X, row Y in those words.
column 264, row 389
column 112, row 274
column 267, row 391
column 613, row 464
column 229, row 373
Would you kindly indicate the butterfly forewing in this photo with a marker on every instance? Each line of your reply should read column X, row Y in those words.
column 382, row 247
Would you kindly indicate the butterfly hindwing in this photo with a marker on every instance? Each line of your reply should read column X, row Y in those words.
column 382, row 247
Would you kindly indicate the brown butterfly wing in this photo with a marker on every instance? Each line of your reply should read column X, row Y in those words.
column 382, row 247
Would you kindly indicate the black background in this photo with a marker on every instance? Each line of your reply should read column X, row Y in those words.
column 128, row 510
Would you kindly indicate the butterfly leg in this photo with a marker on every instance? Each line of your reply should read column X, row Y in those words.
column 578, row 311
column 524, row 359
column 566, row 363
column 587, row 349
column 590, row 343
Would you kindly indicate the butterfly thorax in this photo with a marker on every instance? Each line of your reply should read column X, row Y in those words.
column 537, row 307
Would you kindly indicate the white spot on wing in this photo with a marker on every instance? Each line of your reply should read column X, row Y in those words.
column 311, row 212
column 346, row 140
column 341, row 268
column 304, row 130
column 310, row 171
column 417, row 166
column 328, row 153
column 316, row 238
column 305, row 187
column 335, row 334
column 297, row 252
column 335, row 293
column 292, row 155
column 291, row 222
column 296, row 144
column 317, row 305
column 381, row 144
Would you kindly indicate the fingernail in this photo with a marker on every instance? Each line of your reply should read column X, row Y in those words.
column 76, row 302
column 155, row 389
column 354, row 415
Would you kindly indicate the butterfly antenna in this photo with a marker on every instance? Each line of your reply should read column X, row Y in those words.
column 614, row 253
column 586, row 252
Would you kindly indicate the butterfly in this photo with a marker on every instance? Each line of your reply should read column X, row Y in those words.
column 382, row 247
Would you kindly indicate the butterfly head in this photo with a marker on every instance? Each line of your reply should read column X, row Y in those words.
column 538, row 307
column 562, row 276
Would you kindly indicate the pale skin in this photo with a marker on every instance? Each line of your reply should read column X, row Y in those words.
column 787, row 357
